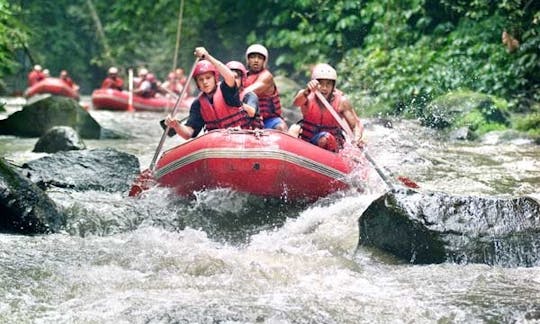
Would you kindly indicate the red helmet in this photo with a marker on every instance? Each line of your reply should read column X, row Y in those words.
column 235, row 65
column 204, row 66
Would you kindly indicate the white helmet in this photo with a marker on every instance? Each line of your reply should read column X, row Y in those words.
column 257, row 48
column 323, row 71
column 143, row 71
column 113, row 70
column 37, row 67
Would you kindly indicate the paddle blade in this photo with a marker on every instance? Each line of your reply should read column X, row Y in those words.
column 408, row 182
column 144, row 182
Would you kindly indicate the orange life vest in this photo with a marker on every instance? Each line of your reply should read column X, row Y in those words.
column 318, row 119
column 220, row 115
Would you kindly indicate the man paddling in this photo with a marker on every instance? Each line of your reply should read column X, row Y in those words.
column 319, row 126
column 218, row 105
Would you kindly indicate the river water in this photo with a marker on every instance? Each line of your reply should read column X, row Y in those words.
column 230, row 258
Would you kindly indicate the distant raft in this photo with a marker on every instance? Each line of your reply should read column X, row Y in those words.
column 111, row 99
column 54, row 86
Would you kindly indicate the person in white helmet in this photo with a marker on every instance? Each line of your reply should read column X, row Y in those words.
column 113, row 81
column 260, row 81
column 35, row 75
column 318, row 126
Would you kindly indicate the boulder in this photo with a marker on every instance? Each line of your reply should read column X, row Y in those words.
column 287, row 90
column 35, row 119
column 100, row 169
column 25, row 208
column 437, row 227
column 59, row 138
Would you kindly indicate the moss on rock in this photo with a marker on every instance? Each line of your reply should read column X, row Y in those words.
column 477, row 111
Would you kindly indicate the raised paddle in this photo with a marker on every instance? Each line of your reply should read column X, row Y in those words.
column 146, row 179
column 406, row 181
column 173, row 113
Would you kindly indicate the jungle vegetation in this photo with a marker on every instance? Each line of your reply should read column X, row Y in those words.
column 393, row 57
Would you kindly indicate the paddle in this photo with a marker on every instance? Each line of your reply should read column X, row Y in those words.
column 173, row 113
column 130, row 87
column 146, row 179
column 406, row 181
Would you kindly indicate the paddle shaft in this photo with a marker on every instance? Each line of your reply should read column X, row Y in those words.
column 173, row 113
column 349, row 132
column 334, row 114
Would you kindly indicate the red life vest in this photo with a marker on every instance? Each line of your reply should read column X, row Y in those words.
column 110, row 83
column 34, row 77
column 220, row 115
column 319, row 119
column 269, row 104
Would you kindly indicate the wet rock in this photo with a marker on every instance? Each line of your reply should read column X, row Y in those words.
column 25, row 208
column 437, row 227
column 99, row 169
column 59, row 138
column 36, row 119
column 287, row 91
column 461, row 134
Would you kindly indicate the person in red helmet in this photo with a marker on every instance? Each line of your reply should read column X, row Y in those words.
column 250, row 101
column 318, row 126
column 113, row 81
column 218, row 104
column 260, row 81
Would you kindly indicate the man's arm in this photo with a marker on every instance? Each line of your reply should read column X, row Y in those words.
column 226, row 73
column 263, row 85
column 251, row 104
column 352, row 119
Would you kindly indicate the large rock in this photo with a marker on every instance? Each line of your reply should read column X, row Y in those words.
column 59, row 138
column 36, row 119
column 99, row 169
column 25, row 208
column 287, row 91
column 437, row 227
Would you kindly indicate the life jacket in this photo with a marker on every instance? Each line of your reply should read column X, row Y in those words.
column 269, row 104
column 220, row 115
column 110, row 83
column 34, row 77
column 151, row 92
column 256, row 122
column 318, row 119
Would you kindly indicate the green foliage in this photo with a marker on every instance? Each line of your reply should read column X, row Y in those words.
column 309, row 31
column 530, row 124
column 13, row 35
column 392, row 57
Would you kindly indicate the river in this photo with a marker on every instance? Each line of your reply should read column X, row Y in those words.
column 230, row 258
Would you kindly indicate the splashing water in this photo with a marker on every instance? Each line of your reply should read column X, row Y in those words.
column 229, row 257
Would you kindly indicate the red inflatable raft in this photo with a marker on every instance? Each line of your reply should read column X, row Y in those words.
column 54, row 86
column 267, row 163
column 111, row 99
